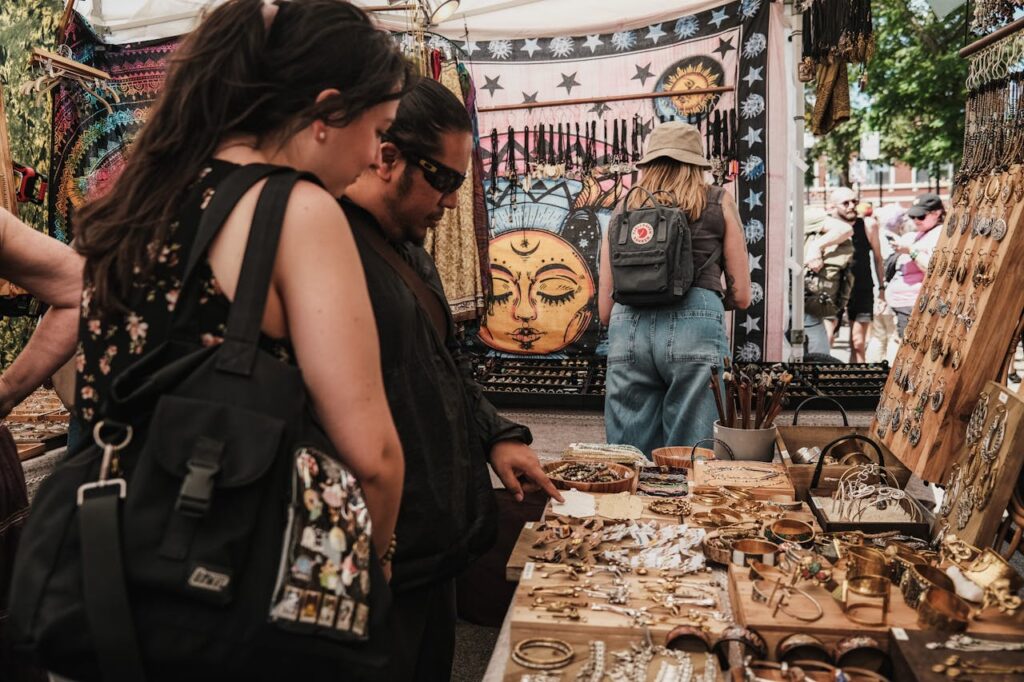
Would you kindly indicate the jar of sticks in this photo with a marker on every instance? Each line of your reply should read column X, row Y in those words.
column 747, row 409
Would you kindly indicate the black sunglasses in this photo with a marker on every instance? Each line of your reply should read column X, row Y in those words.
column 439, row 176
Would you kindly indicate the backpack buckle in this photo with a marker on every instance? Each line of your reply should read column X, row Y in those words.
column 197, row 488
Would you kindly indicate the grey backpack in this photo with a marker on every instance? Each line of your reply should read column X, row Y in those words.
column 651, row 252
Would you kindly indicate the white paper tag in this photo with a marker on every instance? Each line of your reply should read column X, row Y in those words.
column 1004, row 397
column 528, row 525
column 528, row 570
column 900, row 634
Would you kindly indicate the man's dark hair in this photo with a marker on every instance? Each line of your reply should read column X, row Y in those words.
column 425, row 113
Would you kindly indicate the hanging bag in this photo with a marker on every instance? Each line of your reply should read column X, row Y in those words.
column 211, row 531
column 651, row 252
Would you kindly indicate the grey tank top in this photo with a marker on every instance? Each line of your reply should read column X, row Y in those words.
column 708, row 234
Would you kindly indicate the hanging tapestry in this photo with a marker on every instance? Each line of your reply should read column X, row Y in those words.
column 545, row 208
column 89, row 138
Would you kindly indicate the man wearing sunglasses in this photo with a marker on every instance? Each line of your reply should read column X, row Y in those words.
column 915, row 248
column 449, row 431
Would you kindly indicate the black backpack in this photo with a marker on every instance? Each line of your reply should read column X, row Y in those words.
column 211, row 532
column 652, row 252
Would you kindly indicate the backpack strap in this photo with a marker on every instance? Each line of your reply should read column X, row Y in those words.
column 241, row 339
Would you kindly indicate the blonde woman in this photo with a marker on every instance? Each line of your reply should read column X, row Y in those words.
column 660, row 358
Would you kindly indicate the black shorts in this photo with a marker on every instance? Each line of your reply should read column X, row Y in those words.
column 861, row 307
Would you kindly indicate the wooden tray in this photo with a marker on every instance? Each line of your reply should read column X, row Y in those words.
column 580, row 642
column 834, row 625
column 527, row 622
column 27, row 451
column 707, row 478
column 792, row 438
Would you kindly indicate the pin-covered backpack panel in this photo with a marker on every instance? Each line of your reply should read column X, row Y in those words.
column 651, row 252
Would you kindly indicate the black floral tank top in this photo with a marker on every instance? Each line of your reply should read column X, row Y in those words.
column 107, row 346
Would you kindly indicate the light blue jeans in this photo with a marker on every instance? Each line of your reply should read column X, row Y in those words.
column 817, row 335
column 659, row 368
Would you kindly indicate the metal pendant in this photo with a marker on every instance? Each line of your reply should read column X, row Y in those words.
column 999, row 230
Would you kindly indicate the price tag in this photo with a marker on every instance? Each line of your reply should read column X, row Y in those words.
column 528, row 525
column 900, row 634
column 1004, row 397
column 528, row 570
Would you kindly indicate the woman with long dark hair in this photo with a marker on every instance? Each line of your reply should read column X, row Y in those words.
column 309, row 85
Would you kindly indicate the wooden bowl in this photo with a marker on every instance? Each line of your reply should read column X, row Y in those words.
column 679, row 456
column 624, row 483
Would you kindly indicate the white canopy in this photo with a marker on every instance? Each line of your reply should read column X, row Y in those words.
column 123, row 21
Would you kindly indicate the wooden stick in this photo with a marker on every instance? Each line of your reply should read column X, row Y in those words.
column 717, row 391
column 762, row 394
column 746, row 392
column 776, row 407
column 995, row 36
column 41, row 56
column 730, row 403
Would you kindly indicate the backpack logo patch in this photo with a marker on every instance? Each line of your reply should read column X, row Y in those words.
column 641, row 233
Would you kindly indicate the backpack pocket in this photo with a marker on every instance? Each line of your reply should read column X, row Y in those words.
column 641, row 272
column 201, row 487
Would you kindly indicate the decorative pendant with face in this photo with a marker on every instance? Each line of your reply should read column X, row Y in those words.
column 542, row 293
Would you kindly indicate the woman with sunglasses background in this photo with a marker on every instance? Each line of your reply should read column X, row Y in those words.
column 915, row 247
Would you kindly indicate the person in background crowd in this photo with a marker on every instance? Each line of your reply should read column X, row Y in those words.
column 827, row 255
column 884, row 342
column 309, row 85
column 915, row 250
column 867, row 269
column 660, row 358
column 51, row 272
column 449, row 431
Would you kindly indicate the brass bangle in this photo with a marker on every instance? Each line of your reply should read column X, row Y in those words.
column 563, row 648
column 762, row 571
column 803, row 647
column 861, row 651
column 862, row 560
column 819, row 612
column 717, row 550
column 942, row 610
column 787, row 530
column 735, row 493
column 743, row 551
column 723, row 516
column 750, row 639
column 707, row 499
column 851, row 609
column 684, row 637
column 919, row 579
column 874, row 586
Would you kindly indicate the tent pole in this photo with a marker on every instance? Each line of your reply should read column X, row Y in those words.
column 795, row 236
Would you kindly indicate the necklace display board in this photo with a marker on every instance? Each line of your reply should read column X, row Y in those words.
column 982, row 479
column 761, row 480
column 962, row 326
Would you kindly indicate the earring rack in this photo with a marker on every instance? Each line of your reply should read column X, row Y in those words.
column 980, row 483
column 966, row 316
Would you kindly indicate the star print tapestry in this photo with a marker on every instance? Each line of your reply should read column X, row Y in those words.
column 88, row 139
column 547, row 204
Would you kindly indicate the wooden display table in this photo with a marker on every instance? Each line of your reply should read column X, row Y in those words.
column 912, row 660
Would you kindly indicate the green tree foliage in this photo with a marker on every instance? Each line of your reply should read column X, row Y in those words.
column 25, row 24
column 917, row 83
column 915, row 92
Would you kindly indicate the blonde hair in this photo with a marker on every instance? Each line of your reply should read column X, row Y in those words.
column 684, row 180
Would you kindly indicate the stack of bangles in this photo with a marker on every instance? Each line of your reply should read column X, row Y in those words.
column 563, row 653
column 764, row 592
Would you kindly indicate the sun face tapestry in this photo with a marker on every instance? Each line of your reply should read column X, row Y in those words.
column 556, row 174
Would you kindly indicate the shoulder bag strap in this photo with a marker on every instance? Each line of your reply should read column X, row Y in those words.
column 428, row 300
column 241, row 339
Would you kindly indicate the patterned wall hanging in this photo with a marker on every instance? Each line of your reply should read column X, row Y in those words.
column 563, row 211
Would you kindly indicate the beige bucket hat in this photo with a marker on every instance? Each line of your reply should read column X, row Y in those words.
column 676, row 140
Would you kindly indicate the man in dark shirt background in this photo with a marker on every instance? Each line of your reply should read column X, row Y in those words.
column 449, row 431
